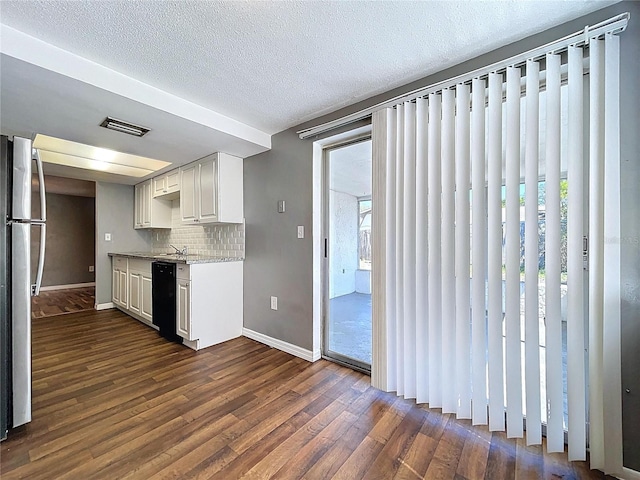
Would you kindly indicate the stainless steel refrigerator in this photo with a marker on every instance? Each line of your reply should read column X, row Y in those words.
column 16, row 289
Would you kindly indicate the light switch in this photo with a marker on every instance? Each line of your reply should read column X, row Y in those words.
column 280, row 206
column 107, row 237
column 274, row 303
column 300, row 231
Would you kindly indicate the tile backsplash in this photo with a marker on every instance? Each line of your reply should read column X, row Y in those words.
column 223, row 240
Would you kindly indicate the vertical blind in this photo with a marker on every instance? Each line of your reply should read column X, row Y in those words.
column 488, row 195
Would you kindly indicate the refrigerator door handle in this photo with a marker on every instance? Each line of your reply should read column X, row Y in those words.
column 43, row 198
column 35, row 289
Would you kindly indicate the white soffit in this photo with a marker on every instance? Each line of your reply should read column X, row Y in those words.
column 31, row 50
column 273, row 65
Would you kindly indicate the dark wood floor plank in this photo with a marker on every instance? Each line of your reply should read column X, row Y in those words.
column 360, row 459
column 446, row 458
column 392, row 455
column 417, row 458
column 474, row 453
column 112, row 399
column 501, row 462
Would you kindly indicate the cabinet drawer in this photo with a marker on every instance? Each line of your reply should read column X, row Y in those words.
column 183, row 271
column 120, row 263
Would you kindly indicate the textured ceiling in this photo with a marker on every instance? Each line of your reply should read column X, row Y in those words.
column 273, row 65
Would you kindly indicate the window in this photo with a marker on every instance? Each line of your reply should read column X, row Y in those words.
column 364, row 234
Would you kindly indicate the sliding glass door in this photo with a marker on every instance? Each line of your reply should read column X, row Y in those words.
column 347, row 265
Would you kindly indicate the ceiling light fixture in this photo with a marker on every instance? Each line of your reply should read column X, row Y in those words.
column 124, row 127
column 87, row 157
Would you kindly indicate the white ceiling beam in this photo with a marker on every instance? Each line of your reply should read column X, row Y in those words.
column 24, row 47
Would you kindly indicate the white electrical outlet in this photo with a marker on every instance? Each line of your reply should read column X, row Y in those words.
column 274, row 303
column 91, row 269
column 300, row 231
column 107, row 237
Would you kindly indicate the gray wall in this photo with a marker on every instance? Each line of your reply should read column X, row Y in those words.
column 114, row 215
column 279, row 264
column 276, row 261
column 70, row 247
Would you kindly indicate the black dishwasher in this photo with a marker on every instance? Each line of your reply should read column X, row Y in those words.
column 163, row 277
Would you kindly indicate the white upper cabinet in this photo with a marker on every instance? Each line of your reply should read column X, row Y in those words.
column 167, row 184
column 211, row 190
column 188, row 175
column 208, row 190
column 150, row 212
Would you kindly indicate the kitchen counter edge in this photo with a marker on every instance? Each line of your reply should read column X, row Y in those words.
column 188, row 259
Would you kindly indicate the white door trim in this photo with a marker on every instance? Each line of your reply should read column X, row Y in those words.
column 318, row 212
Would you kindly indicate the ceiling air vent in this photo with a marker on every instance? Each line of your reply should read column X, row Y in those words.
column 124, row 127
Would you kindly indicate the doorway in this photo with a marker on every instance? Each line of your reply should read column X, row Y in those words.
column 348, row 208
column 68, row 280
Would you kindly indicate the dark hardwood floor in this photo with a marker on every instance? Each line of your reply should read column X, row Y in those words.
column 52, row 303
column 111, row 399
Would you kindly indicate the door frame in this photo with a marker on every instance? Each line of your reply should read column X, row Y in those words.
column 317, row 233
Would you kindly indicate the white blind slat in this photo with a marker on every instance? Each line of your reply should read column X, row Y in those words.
column 575, row 274
column 512, row 261
column 462, row 253
column 553, row 318
column 532, row 322
column 390, row 240
column 422, row 305
column 434, row 222
column 409, row 251
column 612, row 383
column 399, row 264
column 479, row 244
column 494, row 267
column 449, row 401
column 596, row 243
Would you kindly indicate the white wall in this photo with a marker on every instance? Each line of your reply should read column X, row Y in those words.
column 343, row 250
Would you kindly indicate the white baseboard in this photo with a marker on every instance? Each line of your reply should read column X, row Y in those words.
column 105, row 306
column 287, row 347
column 67, row 287
column 629, row 474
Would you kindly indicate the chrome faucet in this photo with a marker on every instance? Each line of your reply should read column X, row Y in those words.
column 178, row 251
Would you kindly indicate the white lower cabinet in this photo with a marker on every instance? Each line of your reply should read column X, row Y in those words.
column 119, row 283
column 134, row 291
column 209, row 303
column 208, row 298
column 183, row 303
column 146, row 300
column 132, row 287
